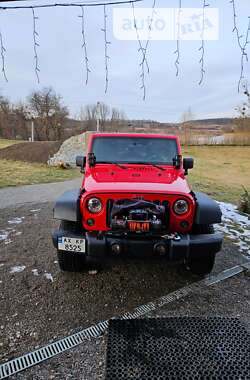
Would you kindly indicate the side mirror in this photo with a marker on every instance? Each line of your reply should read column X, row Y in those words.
column 188, row 163
column 81, row 162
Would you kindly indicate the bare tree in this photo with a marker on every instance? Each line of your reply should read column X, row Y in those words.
column 243, row 119
column 46, row 106
column 104, row 113
column 88, row 113
column 5, row 117
column 20, row 121
column 117, row 115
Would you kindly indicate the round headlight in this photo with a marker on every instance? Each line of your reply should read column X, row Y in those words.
column 180, row 206
column 94, row 205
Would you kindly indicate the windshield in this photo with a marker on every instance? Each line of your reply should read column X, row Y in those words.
column 134, row 150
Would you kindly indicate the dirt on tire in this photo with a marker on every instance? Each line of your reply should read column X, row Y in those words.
column 37, row 151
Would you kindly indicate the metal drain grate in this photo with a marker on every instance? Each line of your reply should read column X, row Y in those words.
column 183, row 348
column 53, row 349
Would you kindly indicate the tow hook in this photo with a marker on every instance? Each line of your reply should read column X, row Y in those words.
column 175, row 236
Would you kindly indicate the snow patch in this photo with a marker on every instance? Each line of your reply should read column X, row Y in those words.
column 16, row 220
column 3, row 235
column 17, row 269
column 236, row 226
column 35, row 272
column 48, row 276
column 35, row 210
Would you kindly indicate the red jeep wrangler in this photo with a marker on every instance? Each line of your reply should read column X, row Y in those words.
column 135, row 201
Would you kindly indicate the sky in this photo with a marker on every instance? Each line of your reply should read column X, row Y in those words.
column 61, row 63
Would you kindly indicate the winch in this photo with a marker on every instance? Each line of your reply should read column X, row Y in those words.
column 137, row 216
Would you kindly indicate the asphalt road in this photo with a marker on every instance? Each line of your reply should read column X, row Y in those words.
column 48, row 192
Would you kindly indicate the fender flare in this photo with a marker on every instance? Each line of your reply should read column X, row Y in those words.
column 67, row 206
column 207, row 210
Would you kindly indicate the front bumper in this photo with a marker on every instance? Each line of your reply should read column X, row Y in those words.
column 99, row 246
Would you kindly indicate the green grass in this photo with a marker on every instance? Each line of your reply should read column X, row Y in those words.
column 220, row 171
column 5, row 142
column 17, row 173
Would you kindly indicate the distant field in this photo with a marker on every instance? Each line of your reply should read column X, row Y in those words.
column 17, row 173
column 4, row 142
column 220, row 171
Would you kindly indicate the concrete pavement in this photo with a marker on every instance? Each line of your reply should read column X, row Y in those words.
column 47, row 192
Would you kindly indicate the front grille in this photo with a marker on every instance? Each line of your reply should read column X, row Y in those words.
column 157, row 202
column 178, row 348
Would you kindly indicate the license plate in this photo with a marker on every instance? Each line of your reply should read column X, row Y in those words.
column 139, row 226
column 71, row 244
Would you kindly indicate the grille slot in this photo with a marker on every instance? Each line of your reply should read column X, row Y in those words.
column 109, row 206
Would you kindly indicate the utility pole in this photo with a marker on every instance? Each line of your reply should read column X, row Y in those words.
column 32, row 130
column 98, row 116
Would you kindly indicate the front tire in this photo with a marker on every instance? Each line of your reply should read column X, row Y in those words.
column 203, row 264
column 70, row 261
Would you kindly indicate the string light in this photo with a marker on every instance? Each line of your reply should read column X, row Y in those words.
column 177, row 51
column 87, row 4
column 242, row 45
column 35, row 44
column 106, row 43
column 143, row 49
column 242, row 41
column 202, row 47
column 3, row 51
column 84, row 44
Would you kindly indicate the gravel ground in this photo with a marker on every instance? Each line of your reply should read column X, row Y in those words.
column 229, row 298
column 38, row 303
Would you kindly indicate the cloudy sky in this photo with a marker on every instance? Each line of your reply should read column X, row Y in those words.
column 62, row 66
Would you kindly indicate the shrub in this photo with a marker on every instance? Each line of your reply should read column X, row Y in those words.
column 244, row 203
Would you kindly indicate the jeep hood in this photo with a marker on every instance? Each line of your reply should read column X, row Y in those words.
column 135, row 179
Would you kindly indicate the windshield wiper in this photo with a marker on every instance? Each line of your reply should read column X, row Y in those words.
column 112, row 163
column 147, row 163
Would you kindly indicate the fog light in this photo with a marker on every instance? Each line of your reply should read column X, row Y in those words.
column 160, row 249
column 90, row 222
column 116, row 248
column 184, row 224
